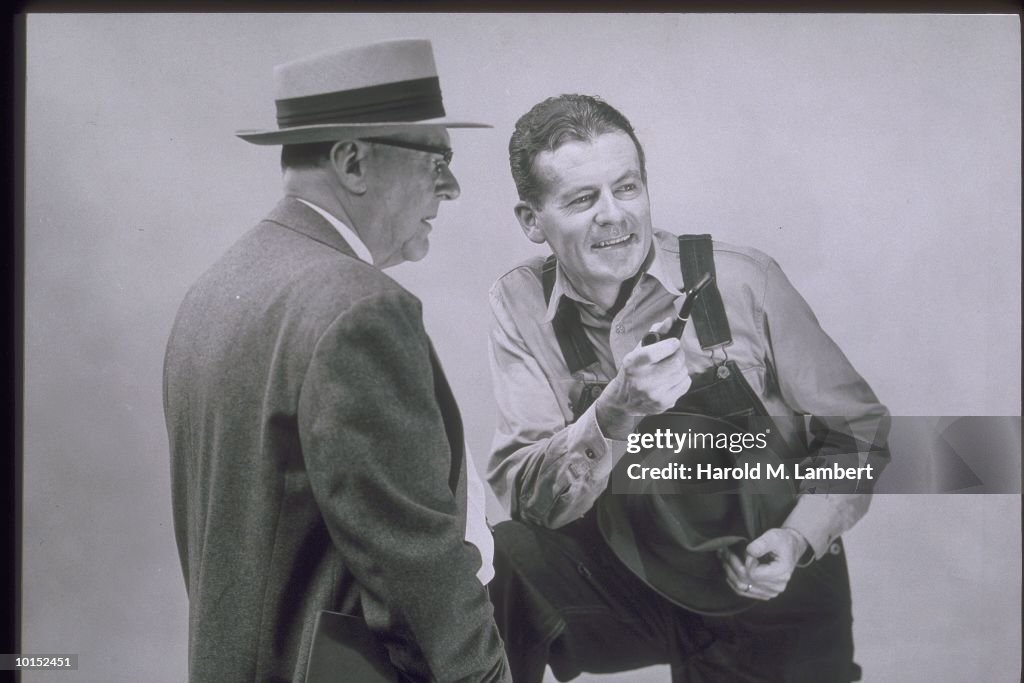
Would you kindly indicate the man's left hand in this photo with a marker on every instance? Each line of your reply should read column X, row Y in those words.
column 769, row 562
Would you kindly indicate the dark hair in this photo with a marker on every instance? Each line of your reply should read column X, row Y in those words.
column 552, row 123
column 306, row 155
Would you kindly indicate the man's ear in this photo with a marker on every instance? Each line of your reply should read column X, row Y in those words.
column 348, row 160
column 527, row 217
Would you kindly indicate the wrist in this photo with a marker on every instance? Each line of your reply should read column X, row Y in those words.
column 800, row 544
column 613, row 421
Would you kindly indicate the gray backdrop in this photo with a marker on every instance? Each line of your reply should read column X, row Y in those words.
column 876, row 157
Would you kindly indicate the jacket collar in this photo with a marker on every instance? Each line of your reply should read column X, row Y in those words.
column 292, row 214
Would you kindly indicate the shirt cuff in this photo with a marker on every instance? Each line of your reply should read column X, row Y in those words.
column 600, row 452
column 812, row 518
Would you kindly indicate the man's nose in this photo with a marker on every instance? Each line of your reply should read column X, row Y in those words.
column 609, row 212
column 447, row 186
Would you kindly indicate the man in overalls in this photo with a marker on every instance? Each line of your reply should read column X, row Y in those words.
column 572, row 381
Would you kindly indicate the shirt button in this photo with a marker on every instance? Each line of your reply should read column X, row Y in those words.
column 619, row 329
column 590, row 453
column 835, row 549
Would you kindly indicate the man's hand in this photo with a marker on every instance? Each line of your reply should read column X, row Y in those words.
column 768, row 565
column 649, row 381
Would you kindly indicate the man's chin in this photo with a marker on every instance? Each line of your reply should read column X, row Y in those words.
column 621, row 266
column 416, row 250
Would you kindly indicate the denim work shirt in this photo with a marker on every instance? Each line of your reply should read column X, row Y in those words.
column 549, row 470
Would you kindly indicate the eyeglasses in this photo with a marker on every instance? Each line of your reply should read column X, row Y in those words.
column 446, row 153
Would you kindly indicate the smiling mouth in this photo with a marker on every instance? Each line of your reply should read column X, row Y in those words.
column 604, row 244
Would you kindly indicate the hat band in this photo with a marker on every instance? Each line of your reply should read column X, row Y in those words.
column 412, row 100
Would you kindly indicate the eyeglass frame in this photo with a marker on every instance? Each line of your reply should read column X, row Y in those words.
column 446, row 153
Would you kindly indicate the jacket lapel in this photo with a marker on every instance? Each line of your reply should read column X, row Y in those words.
column 452, row 422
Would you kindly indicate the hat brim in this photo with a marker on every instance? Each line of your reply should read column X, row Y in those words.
column 326, row 132
column 697, row 584
column 659, row 529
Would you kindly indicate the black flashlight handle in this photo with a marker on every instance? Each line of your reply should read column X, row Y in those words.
column 679, row 324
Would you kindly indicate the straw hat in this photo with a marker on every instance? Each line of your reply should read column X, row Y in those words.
column 376, row 89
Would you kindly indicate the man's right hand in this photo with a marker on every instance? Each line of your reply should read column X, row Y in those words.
column 650, row 380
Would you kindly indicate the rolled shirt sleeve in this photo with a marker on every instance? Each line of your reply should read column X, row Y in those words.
column 544, row 468
column 849, row 426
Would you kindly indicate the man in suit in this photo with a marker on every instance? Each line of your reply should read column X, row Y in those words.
column 317, row 453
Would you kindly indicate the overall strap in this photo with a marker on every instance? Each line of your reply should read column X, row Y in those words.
column 547, row 277
column 572, row 339
column 696, row 257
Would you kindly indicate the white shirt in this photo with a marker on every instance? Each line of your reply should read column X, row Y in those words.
column 347, row 233
column 477, row 531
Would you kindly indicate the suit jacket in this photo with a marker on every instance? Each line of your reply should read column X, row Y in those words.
column 317, row 463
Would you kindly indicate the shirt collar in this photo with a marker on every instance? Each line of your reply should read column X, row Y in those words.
column 663, row 267
column 346, row 232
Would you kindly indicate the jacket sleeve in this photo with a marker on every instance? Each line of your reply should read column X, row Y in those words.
column 379, row 463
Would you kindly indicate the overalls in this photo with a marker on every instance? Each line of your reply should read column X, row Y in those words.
column 563, row 598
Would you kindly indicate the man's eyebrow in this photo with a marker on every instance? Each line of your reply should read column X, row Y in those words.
column 576, row 189
column 631, row 173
